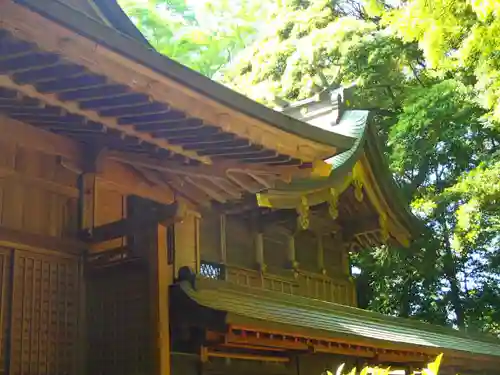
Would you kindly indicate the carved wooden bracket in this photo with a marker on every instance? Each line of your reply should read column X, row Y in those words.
column 303, row 214
column 333, row 201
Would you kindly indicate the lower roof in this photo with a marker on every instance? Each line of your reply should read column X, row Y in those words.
column 257, row 308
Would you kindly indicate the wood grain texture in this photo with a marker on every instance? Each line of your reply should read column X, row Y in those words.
column 45, row 308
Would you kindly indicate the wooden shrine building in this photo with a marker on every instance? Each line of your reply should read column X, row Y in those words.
column 155, row 222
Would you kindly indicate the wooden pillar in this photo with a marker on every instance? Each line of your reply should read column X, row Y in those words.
column 320, row 252
column 161, row 277
column 259, row 250
column 87, row 201
column 87, row 186
column 223, row 242
column 291, row 255
column 346, row 263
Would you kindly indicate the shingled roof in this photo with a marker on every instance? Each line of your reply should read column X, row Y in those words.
column 277, row 312
column 331, row 110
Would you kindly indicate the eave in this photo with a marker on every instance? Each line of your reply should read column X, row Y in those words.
column 363, row 166
column 129, row 62
column 65, row 73
column 266, row 320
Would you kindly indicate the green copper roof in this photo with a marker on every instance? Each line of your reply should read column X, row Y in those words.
column 352, row 124
column 324, row 319
column 331, row 112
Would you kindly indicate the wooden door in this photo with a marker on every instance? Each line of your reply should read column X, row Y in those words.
column 39, row 312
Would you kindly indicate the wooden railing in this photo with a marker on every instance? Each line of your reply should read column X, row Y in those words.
column 302, row 283
column 326, row 288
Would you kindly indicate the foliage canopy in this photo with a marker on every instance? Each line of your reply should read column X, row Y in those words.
column 430, row 73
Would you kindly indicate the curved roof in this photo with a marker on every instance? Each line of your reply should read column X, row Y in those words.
column 352, row 124
column 279, row 312
column 92, row 19
column 365, row 155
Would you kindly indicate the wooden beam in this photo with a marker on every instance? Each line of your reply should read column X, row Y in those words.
column 28, row 136
column 161, row 277
column 109, row 122
column 122, row 178
column 223, row 170
column 29, row 241
column 58, row 188
column 129, row 226
column 99, row 59
column 111, row 173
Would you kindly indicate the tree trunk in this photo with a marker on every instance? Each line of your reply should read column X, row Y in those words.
column 450, row 271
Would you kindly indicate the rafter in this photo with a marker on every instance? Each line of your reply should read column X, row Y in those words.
column 109, row 122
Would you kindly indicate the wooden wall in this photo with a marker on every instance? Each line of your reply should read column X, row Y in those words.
column 118, row 320
column 37, row 194
column 40, row 278
column 306, row 245
column 334, row 253
column 110, row 206
column 239, row 242
column 221, row 366
column 210, row 238
column 187, row 238
column 275, row 249
column 235, row 247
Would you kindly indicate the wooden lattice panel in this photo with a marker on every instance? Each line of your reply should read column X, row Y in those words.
column 118, row 321
column 45, row 314
column 4, row 304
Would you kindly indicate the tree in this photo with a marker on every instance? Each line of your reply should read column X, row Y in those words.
column 204, row 34
column 429, row 71
column 436, row 132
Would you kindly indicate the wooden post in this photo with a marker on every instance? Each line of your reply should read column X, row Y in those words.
column 259, row 250
column 87, row 201
column 346, row 264
column 321, row 252
column 292, row 260
column 87, row 187
column 161, row 277
column 223, row 246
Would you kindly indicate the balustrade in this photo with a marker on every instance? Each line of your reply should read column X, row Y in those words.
column 299, row 282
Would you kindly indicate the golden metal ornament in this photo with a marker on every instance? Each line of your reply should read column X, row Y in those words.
column 303, row 211
column 384, row 230
column 358, row 189
column 333, row 204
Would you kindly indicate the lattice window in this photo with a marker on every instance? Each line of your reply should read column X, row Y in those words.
column 211, row 270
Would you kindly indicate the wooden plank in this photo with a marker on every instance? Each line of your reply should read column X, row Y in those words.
column 87, row 188
column 119, row 177
column 28, row 136
column 109, row 208
column 17, row 179
column 13, row 201
column 161, row 277
column 30, row 241
column 127, row 227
